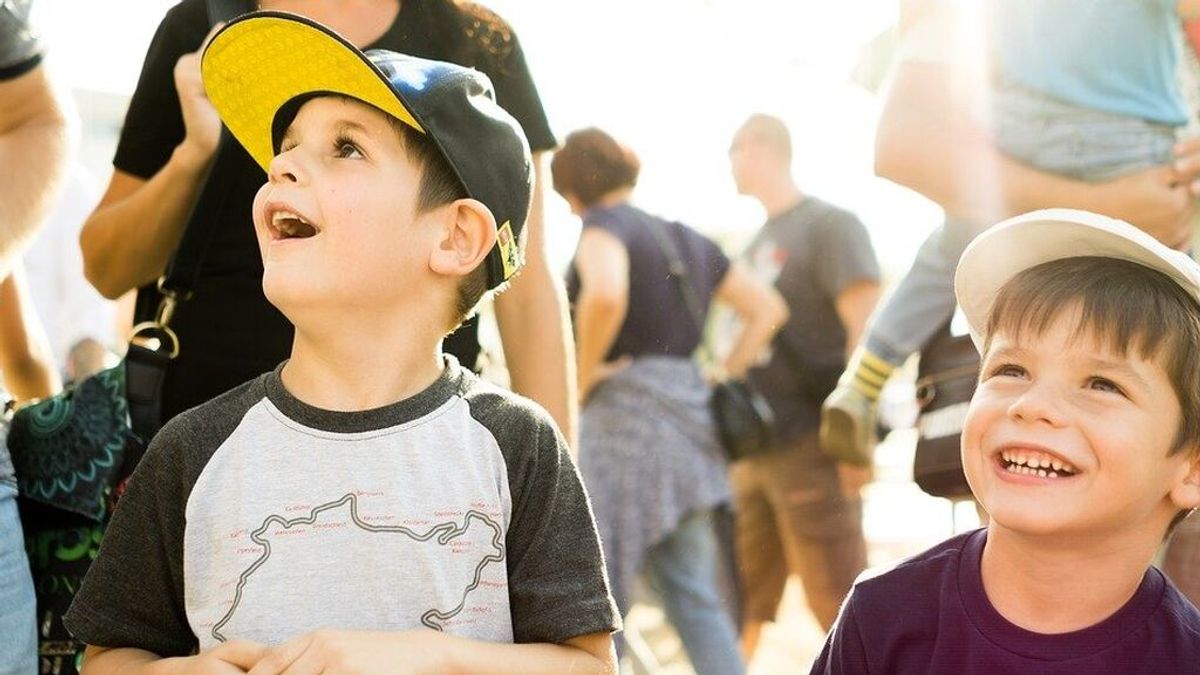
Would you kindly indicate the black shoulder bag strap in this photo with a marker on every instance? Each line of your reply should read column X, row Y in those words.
column 678, row 269
column 146, row 361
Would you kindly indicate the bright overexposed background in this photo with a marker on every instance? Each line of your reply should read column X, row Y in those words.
column 672, row 78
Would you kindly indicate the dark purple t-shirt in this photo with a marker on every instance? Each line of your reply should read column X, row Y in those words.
column 930, row 615
column 657, row 321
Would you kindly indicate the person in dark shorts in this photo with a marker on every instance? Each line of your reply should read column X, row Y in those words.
column 799, row 510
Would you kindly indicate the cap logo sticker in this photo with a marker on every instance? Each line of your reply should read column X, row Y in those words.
column 510, row 252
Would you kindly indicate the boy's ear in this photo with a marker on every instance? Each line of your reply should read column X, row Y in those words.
column 467, row 236
column 1185, row 494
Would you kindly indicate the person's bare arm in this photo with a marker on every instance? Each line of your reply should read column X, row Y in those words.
column 34, row 139
column 854, row 305
column 929, row 141
column 26, row 360
column 762, row 310
column 534, row 327
column 230, row 658
column 426, row 651
column 603, row 266
column 135, row 229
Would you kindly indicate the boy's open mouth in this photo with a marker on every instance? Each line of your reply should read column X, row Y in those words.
column 289, row 225
column 1027, row 462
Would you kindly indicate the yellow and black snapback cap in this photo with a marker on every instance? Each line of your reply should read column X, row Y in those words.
column 258, row 67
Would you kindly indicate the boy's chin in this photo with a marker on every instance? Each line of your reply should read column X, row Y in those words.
column 1030, row 518
column 294, row 295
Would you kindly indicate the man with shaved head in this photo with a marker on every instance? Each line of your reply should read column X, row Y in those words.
column 798, row 509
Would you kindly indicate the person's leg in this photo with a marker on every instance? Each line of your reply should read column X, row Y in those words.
column 828, row 568
column 683, row 570
column 18, row 606
column 1036, row 130
column 761, row 566
column 820, row 527
column 921, row 304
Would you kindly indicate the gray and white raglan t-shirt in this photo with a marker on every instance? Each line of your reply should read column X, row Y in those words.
column 258, row 517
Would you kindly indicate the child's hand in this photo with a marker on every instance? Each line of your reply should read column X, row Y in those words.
column 202, row 125
column 336, row 652
column 229, row 658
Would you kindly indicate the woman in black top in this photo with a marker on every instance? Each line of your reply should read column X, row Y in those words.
column 228, row 331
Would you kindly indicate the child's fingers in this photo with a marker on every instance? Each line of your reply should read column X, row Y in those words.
column 281, row 658
column 241, row 653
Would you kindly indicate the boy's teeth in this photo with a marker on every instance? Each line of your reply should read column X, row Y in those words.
column 1035, row 464
column 286, row 215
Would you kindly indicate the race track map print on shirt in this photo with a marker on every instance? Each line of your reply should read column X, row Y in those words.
column 476, row 536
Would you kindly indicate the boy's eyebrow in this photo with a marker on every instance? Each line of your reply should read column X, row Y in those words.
column 343, row 126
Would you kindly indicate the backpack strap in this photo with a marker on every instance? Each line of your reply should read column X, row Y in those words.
column 146, row 366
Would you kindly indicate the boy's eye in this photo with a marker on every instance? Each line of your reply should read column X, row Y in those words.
column 1008, row 370
column 1104, row 384
column 346, row 149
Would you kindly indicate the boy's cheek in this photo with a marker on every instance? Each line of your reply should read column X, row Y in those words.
column 974, row 426
column 258, row 216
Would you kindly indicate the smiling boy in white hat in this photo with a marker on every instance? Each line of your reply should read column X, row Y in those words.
column 1081, row 443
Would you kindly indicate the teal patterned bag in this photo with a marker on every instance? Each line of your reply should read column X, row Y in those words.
column 69, row 450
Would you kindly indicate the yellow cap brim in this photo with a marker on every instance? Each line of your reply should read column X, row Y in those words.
column 257, row 63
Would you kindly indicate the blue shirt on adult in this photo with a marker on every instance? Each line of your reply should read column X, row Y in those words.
column 930, row 615
column 1117, row 56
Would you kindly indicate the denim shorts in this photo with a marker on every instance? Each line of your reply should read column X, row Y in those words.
column 18, row 646
column 1064, row 139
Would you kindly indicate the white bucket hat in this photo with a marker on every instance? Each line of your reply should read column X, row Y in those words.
column 1017, row 244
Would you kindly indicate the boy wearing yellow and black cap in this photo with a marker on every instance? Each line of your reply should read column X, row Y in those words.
column 369, row 505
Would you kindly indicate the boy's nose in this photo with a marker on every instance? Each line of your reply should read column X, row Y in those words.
column 1039, row 402
column 285, row 168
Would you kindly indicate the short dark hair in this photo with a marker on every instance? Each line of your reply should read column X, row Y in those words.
column 1124, row 305
column 591, row 164
column 440, row 186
